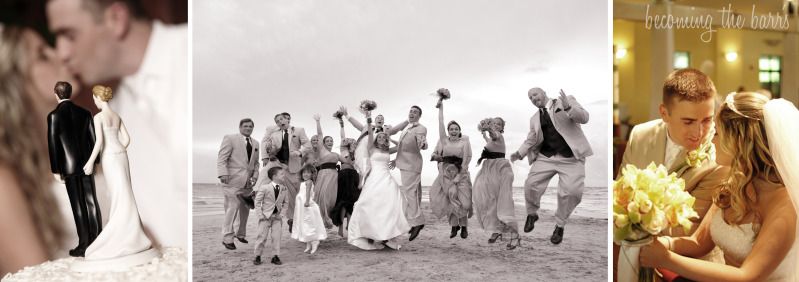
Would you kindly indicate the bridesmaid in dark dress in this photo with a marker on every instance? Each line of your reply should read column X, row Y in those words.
column 348, row 181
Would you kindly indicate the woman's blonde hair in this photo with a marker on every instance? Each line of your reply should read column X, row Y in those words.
column 22, row 140
column 742, row 135
column 103, row 92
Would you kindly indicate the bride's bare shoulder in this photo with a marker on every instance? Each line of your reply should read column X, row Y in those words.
column 775, row 200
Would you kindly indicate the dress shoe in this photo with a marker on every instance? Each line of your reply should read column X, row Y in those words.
column 290, row 222
column 464, row 233
column 557, row 236
column 257, row 260
column 241, row 239
column 229, row 246
column 77, row 252
column 276, row 260
column 454, row 232
column 494, row 237
column 415, row 232
column 530, row 224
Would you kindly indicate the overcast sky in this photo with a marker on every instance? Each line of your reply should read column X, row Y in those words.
column 256, row 58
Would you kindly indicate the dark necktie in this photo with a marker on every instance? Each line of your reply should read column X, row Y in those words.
column 277, row 192
column 283, row 154
column 249, row 149
column 544, row 116
column 545, row 122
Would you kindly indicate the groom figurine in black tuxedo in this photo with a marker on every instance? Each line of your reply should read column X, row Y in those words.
column 70, row 138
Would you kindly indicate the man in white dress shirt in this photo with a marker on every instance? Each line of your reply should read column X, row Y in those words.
column 104, row 41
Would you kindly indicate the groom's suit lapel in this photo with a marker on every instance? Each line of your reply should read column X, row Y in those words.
column 679, row 165
column 291, row 139
column 241, row 153
column 402, row 137
column 405, row 132
column 659, row 146
column 277, row 137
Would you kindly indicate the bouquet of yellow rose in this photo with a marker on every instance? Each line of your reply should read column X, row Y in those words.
column 646, row 202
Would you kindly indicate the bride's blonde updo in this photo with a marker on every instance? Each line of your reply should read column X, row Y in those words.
column 742, row 135
column 103, row 92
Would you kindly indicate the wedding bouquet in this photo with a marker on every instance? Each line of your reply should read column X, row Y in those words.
column 338, row 115
column 646, row 202
column 443, row 94
column 347, row 143
column 368, row 105
column 484, row 125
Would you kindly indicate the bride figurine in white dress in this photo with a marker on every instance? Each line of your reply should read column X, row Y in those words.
column 123, row 235
column 378, row 217
column 753, row 220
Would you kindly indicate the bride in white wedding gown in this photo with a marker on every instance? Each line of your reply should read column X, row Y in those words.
column 753, row 220
column 123, row 234
column 378, row 216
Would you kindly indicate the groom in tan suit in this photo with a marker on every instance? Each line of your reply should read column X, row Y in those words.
column 237, row 167
column 409, row 160
column 555, row 145
column 686, row 122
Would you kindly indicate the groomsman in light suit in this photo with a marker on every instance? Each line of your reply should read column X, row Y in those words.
column 284, row 145
column 409, row 160
column 555, row 145
column 237, row 167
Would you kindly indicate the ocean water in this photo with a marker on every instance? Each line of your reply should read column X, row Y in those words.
column 207, row 199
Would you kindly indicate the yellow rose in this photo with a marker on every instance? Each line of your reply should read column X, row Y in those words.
column 620, row 220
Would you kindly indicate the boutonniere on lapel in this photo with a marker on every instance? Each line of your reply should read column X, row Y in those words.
column 696, row 157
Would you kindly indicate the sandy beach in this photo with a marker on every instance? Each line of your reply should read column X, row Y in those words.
column 432, row 256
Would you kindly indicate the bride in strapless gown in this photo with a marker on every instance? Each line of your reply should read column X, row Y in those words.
column 378, row 217
column 753, row 219
column 737, row 241
column 123, row 234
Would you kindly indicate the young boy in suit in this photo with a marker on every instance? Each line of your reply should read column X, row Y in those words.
column 270, row 208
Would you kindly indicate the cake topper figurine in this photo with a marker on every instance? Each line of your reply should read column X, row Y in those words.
column 122, row 243
column 71, row 137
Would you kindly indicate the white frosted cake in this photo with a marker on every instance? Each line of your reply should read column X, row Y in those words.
column 171, row 265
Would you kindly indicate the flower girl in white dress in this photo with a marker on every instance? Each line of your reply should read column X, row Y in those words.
column 309, row 227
